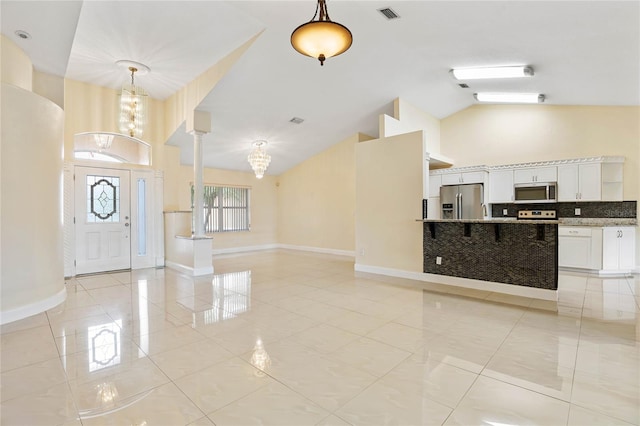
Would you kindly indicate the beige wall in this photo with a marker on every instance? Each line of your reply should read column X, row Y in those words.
column 16, row 67
column 32, row 265
column 316, row 200
column 388, row 202
column 49, row 86
column 91, row 108
column 492, row 135
column 264, row 205
column 414, row 119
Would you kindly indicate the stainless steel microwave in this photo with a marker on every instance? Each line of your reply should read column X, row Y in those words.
column 539, row 192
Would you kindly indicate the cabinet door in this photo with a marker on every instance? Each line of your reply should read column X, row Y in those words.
column 472, row 177
column 547, row 174
column 590, row 182
column 610, row 248
column 627, row 248
column 501, row 186
column 568, row 182
column 435, row 182
column 524, row 175
column 574, row 247
column 451, row 179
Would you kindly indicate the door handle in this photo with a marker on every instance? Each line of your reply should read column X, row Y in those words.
column 126, row 224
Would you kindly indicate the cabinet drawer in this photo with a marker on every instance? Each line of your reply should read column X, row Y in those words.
column 574, row 231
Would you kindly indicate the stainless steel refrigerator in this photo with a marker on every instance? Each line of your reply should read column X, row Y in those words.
column 462, row 201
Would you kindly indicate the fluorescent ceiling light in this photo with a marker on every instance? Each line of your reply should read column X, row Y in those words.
column 513, row 98
column 491, row 72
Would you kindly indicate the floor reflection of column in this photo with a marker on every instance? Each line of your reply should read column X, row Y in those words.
column 143, row 315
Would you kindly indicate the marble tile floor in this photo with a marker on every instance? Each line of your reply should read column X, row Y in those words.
column 293, row 338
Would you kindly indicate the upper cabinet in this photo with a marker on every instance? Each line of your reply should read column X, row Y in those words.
column 582, row 179
column 501, row 186
column 456, row 176
column 463, row 177
column 591, row 180
column 538, row 174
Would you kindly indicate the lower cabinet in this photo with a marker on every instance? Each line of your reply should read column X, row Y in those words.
column 619, row 249
column 609, row 250
column 580, row 247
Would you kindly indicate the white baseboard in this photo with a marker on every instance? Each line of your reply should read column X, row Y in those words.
column 194, row 272
column 348, row 253
column 234, row 250
column 244, row 249
column 33, row 308
column 515, row 290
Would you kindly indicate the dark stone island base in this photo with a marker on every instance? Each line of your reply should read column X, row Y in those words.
column 523, row 253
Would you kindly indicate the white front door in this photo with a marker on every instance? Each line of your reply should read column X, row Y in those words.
column 102, row 217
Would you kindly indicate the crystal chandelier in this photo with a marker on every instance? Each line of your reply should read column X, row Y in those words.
column 259, row 159
column 133, row 103
column 323, row 38
column 103, row 141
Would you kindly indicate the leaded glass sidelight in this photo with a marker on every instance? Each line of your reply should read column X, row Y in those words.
column 103, row 199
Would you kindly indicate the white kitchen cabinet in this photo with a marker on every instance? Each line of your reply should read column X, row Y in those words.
column 618, row 249
column 594, row 181
column 580, row 182
column 537, row 174
column 463, row 177
column 580, row 247
column 435, row 182
column 433, row 208
column 501, row 186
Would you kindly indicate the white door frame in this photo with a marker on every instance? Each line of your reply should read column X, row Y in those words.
column 153, row 182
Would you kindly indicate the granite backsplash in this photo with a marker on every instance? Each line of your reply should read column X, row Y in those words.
column 588, row 209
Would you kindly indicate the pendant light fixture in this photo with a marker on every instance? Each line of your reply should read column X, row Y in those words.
column 133, row 102
column 323, row 38
column 259, row 159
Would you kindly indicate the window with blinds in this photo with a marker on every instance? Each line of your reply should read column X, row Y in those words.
column 226, row 208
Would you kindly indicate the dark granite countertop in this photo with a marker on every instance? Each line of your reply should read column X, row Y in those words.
column 577, row 221
column 491, row 220
column 564, row 221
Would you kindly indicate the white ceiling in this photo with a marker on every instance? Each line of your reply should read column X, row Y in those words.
column 583, row 53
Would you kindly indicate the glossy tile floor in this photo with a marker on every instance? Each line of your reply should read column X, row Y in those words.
column 293, row 338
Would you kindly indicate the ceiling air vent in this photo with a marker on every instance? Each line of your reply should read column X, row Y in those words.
column 389, row 13
column 296, row 120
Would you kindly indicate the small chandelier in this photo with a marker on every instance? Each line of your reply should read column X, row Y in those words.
column 323, row 38
column 133, row 103
column 258, row 158
column 103, row 141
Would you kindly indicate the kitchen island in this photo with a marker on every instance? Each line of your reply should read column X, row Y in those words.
column 519, row 256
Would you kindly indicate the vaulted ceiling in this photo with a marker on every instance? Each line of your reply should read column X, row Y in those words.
column 583, row 53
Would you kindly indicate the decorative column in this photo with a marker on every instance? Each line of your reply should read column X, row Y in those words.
column 198, row 186
column 193, row 253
